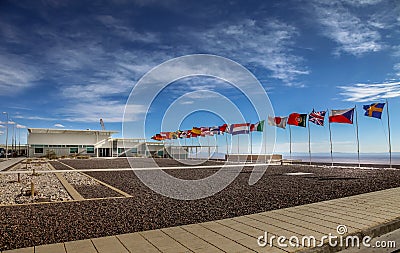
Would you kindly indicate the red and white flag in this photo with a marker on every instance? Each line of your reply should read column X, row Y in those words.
column 277, row 121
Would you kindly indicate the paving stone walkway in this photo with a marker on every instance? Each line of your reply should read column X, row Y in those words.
column 371, row 214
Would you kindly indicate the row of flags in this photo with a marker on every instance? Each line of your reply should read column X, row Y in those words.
column 344, row 116
column 234, row 129
column 297, row 119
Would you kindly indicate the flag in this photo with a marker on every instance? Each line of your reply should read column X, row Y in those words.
column 297, row 119
column 165, row 135
column 183, row 134
column 277, row 121
column 374, row 110
column 239, row 128
column 158, row 137
column 342, row 116
column 196, row 131
column 259, row 126
column 224, row 128
column 205, row 131
column 317, row 117
column 189, row 134
column 173, row 135
column 215, row 130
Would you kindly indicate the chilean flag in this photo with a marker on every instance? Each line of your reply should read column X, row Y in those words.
column 342, row 116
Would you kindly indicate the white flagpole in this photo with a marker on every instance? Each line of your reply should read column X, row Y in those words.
column 290, row 142
column 358, row 141
column 251, row 146
column 227, row 148
column 265, row 141
column 216, row 143
column 330, row 136
column 238, row 147
column 309, row 139
column 390, row 145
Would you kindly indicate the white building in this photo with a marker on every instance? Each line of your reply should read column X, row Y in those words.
column 96, row 143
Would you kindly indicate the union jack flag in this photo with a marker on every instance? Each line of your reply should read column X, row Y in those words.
column 317, row 117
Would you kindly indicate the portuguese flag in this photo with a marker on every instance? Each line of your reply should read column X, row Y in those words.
column 297, row 119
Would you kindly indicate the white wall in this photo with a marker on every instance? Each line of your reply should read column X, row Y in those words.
column 66, row 138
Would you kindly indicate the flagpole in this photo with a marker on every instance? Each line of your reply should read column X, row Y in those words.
column 330, row 136
column 290, row 142
column 390, row 145
column 265, row 141
column 251, row 146
column 227, row 148
column 358, row 141
column 216, row 143
column 238, row 147
column 309, row 141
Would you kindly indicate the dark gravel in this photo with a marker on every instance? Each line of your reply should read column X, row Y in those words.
column 23, row 226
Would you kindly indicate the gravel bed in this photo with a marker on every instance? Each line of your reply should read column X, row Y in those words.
column 29, row 225
column 86, row 186
column 47, row 187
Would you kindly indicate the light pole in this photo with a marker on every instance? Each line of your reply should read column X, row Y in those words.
column 6, row 135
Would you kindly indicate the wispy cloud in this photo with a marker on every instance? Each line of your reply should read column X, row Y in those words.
column 59, row 125
column 109, row 111
column 362, row 2
column 370, row 92
column 15, row 74
column 353, row 34
column 266, row 43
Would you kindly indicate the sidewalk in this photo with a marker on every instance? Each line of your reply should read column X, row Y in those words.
column 371, row 214
column 10, row 162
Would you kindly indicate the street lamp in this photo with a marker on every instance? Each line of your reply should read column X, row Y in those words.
column 6, row 135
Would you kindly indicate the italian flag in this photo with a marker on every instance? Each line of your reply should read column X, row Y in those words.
column 259, row 126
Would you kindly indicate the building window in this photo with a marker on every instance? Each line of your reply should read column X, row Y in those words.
column 73, row 150
column 38, row 150
column 90, row 150
column 134, row 150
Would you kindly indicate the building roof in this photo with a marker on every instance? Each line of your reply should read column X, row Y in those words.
column 66, row 131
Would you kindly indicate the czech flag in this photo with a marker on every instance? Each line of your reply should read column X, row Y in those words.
column 342, row 116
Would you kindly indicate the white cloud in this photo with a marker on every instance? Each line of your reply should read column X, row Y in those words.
column 362, row 2
column 15, row 74
column 20, row 126
column 59, row 125
column 266, row 43
column 1, row 126
column 370, row 92
column 1, row 132
column 109, row 111
column 353, row 34
column 396, row 67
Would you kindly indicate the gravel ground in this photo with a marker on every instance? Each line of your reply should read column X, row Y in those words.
column 86, row 186
column 29, row 225
column 47, row 187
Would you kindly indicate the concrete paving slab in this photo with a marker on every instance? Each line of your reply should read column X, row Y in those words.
column 109, row 244
column 23, row 250
column 134, row 242
column 80, row 246
column 190, row 241
column 211, row 237
column 163, row 242
column 51, row 248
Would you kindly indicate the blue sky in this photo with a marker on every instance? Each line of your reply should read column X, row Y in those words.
column 70, row 63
